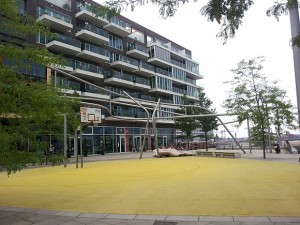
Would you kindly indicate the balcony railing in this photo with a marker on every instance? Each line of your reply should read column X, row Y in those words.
column 125, row 59
column 120, row 23
column 95, row 49
column 179, row 90
column 164, row 72
column 147, row 66
column 90, row 8
column 88, row 67
column 92, row 89
column 42, row 11
column 66, row 40
column 140, row 80
column 128, row 77
column 190, row 81
column 93, row 29
column 175, row 62
column 71, row 85
column 132, row 46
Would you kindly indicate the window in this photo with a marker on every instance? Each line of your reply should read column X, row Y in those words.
column 115, row 42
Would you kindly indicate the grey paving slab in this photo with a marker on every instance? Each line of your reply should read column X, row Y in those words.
column 183, row 218
column 120, row 216
column 150, row 217
column 22, row 222
column 224, row 223
column 98, row 223
column 192, row 223
column 286, row 223
column 137, row 222
column 251, row 219
column 10, row 219
column 34, row 218
column 6, row 214
column 111, row 221
column 216, row 218
column 45, row 211
column 284, row 219
column 72, row 223
column 93, row 215
column 49, row 222
column 85, row 220
column 257, row 223
column 68, row 213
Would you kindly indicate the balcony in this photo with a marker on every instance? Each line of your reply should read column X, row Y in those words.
column 92, row 34
column 159, row 62
column 56, row 20
column 64, row 44
column 68, row 67
column 126, row 80
column 93, row 92
column 158, row 90
column 145, row 70
column 125, row 63
column 93, row 53
column 86, row 13
column 136, row 51
column 86, row 70
column 118, row 27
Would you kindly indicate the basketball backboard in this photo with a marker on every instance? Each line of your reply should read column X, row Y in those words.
column 90, row 115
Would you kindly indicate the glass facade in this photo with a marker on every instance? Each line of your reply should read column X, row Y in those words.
column 122, row 139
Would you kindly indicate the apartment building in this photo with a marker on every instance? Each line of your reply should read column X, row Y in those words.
column 119, row 55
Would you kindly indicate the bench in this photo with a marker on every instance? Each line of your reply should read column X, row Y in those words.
column 200, row 153
column 228, row 154
column 219, row 154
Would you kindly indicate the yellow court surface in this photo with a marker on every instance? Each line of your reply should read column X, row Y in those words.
column 164, row 186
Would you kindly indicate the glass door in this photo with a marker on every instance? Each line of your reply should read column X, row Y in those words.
column 165, row 141
column 121, row 144
column 136, row 143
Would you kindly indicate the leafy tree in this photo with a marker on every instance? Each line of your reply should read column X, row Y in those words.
column 187, row 125
column 206, row 123
column 252, row 96
column 26, row 106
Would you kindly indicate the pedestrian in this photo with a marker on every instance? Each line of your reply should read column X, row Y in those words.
column 277, row 148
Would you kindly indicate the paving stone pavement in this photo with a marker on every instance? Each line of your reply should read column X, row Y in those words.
column 24, row 216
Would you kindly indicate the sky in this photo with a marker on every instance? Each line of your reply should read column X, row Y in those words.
column 259, row 35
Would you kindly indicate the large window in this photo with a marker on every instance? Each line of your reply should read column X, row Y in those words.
column 162, row 83
column 115, row 42
column 193, row 67
column 178, row 74
column 157, row 52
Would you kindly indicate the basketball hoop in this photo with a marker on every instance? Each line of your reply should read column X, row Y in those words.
column 90, row 115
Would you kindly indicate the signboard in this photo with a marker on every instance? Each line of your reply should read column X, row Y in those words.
column 88, row 115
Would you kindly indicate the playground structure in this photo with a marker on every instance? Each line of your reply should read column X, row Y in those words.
column 153, row 120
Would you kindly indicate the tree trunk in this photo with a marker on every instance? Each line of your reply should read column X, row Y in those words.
column 206, row 141
column 295, row 30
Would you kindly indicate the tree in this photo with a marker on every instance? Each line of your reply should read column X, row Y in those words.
column 206, row 123
column 187, row 125
column 253, row 97
column 25, row 105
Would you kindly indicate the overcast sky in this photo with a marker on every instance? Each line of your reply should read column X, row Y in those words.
column 259, row 36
